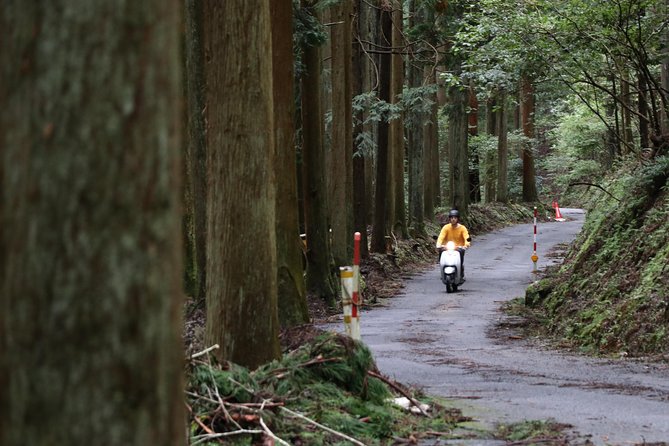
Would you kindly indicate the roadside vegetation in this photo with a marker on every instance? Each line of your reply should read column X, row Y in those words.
column 326, row 390
column 611, row 295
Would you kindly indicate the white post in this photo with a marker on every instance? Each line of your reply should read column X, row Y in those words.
column 357, row 302
column 346, row 276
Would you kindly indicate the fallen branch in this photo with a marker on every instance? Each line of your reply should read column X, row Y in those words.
column 271, row 434
column 325, row 428
column 202, row 438
column 400, row 390
column 594, row 185
column 198, row 421
column 204, row 352
column 439, row 434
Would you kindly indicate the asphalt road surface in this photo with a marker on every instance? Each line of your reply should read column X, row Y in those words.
column 452, row 345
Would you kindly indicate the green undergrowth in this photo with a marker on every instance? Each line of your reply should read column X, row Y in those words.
column 611, row 296
column 319, row 393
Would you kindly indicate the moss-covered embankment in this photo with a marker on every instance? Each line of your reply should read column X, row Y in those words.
column 611, row 295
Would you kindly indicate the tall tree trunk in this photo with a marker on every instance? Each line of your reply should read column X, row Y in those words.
column 415, row 149
column 292, row 299
column 321, row 280
column 458, row 154
column 342, row 134
column 431, row 155
column 490, row 186
column 90, row 213
column 625, row 100
column 197, row 146
column 398, row 220
column 664, row 82
column 473, row 128
column 360, row 203
column 644, row 112
column 527, row 110
column 502, row 150
column 379, row 229
column 241, row 201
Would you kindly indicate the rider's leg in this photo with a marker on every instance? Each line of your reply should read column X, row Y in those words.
column 462, row 263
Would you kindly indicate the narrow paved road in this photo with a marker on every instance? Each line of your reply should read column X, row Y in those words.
column 451, row 345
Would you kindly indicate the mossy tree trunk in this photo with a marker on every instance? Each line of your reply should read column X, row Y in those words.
column 241, row 225
column 292, row 298
column 90, row 214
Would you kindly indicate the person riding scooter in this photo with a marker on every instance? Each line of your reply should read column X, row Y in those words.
column 457, row 233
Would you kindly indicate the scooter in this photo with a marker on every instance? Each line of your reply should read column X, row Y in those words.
column 451, row 267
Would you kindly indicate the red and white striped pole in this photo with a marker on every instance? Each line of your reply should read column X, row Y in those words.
column 535, row 258
column 355, row 298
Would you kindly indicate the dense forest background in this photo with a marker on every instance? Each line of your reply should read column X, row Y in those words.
column 226, row 152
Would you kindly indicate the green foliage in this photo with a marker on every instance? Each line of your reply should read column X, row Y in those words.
column 307, row 29
column 577, row 153
column 414, row 104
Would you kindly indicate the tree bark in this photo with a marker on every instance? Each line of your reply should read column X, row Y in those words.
column 473, row 128
column 241, row 225
column 416, row 151
column 458, row 154
column 527, row 110
column 360, row 193
column 431, row 155
column 502, row 151
column 197, row 145
column 292, row 296
column 490, row 159
column 321, row 281
column 397, row 220
column 342, row 134
column 644, row 112
column 379, row 229
column 90, row 215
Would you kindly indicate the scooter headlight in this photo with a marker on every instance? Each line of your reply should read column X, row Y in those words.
column 449, row 270
column 450, row 246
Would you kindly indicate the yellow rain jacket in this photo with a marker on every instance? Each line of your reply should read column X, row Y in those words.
column 458, row 234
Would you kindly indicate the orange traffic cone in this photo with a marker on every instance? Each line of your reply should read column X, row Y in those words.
column 558, row 215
